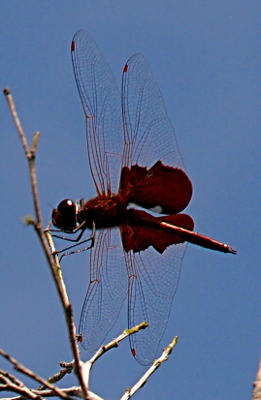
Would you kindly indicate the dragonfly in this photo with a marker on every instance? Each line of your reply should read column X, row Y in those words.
column 138, row 173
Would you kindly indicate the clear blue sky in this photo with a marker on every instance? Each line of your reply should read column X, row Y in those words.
column 206, row 58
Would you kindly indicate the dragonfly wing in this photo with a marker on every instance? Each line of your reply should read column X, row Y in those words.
column 102, row 109
column 149, row 141
column 148, row 133
column 106, row 291
column 153, row 280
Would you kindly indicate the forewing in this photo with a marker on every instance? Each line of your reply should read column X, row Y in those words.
column 106, row 291
column 101, row 104
column 148, row 133
column 153, row 280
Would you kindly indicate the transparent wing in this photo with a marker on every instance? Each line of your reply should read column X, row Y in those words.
column 106, row 291
column 102, row 109
column 153, row 281
column 148, row 137
column 148, row 133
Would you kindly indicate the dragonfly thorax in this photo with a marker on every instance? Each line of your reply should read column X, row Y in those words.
column 105, row 212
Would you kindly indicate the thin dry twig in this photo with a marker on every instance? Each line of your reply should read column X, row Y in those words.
column 257, row 385
column 68, row 313
column 67, row 307
column 21, row 368
column 156, row 364
column 10, row 378
column 67, row 368
column 24, row 392
column 87, row 366
column 73, row 391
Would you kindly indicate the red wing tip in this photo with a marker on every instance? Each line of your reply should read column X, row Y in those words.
column 79, row 338
column 73, row 46
column 133, row 352
column 125, row 69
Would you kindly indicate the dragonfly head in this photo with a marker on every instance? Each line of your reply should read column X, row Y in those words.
column 65, row 216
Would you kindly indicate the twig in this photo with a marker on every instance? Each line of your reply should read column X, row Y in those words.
column 156, row 364
column 10, row 377
column 67, row 368
column 69, row 317
column 257, row 385
column 87, row 366
column 23, row 391
column 21, row 368
column 73, row 391
column 30, row 155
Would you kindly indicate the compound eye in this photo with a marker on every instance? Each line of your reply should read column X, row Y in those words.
column 65, row 206
column 64, row 217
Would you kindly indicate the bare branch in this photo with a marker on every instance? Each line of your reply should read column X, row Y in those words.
column 69, row 316
column 30, row 155
column 73, row 391
column 257, row 385
column 23, row 391
column 67, row 369
column 10, row 377
column 87, row 366
column 21, row 368
column 18, row 125
column 156, row 364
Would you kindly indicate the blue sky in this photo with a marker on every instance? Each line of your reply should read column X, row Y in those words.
column 206, row 58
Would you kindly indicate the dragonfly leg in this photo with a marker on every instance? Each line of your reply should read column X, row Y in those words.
column 91, row 238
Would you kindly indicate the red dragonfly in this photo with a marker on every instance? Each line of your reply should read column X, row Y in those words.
column 135, row 165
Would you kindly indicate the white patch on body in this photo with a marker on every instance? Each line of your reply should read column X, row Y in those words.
column 156, row 209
